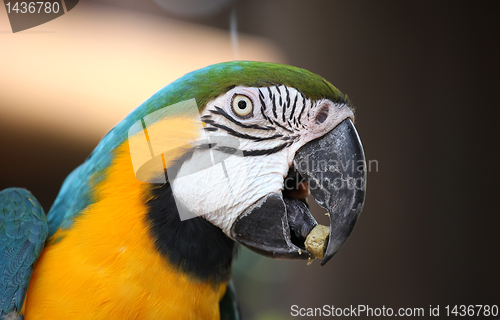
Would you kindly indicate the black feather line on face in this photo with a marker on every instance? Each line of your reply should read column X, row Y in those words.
column 243, row 135
column 293, row 108
column 221, row 112
column 303, row 106
column 261, row 95
column 283, row 115
column 195, row 246
column 287, row 97
column 261, row 98
column 263, row 108
column 264, row 152
column 263, row 114
column 287, row 105
column 271, row 96
column 282, row 127
column 275, row 103
column 281, row 102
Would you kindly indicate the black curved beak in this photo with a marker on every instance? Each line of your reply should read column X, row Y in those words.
column 334, row 168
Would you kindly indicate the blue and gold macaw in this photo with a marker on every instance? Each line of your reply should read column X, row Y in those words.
column 147, row 226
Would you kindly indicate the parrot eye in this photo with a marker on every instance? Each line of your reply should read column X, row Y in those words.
column 242, row 106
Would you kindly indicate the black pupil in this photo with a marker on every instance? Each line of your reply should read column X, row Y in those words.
column 242, row 104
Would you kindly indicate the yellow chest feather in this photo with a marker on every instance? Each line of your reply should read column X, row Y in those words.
column 107, row 267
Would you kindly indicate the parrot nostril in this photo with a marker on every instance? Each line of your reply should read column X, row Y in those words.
column 322, row 115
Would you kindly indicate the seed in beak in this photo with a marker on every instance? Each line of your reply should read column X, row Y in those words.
column 317, row 241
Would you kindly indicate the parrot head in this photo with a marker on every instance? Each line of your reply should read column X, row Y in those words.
column 261, row 137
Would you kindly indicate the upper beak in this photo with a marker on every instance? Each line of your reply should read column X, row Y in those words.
column 334, row 168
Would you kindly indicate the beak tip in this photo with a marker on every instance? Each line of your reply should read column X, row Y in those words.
column 325, row 260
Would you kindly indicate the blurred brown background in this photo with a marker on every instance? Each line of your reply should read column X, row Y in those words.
column 423, row 76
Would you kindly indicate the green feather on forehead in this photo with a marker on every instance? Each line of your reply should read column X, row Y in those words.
column 210, row 82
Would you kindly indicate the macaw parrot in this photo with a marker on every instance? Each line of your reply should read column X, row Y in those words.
column 147, row 227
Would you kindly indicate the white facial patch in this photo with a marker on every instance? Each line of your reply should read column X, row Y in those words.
column 221, row 192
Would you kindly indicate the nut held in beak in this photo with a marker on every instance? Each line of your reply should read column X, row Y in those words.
column 317, row 241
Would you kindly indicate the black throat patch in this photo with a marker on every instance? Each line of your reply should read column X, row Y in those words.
column 196, row 246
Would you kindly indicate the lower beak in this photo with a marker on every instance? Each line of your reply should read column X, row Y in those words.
column 333, row 166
